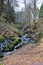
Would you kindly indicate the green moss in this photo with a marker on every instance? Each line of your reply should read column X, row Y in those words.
column 12, row 38
column 15, row 42
column 6, row 48
column 10, row 47
column 2, row 39
column 39, row 36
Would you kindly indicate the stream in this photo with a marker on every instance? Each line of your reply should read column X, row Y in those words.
column 24, row 40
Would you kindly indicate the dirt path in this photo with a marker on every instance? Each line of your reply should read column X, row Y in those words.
column 26, row 55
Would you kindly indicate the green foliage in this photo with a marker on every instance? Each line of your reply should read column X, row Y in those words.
column 39, row 36
column 2, row 39
column 12, row 38
column 41, row 11
column 6, row 48
column 10, row 47
column 15, row 42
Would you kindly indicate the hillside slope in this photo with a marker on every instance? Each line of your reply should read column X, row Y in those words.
column 25, row 55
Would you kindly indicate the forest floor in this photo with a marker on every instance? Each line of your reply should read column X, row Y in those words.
column 27, row 55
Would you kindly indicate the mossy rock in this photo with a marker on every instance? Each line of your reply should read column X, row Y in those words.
column 39, row 36
column 10, row 47
column 15, row 42
column 6, row 48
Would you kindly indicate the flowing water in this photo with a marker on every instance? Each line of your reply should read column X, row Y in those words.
column 24, row 40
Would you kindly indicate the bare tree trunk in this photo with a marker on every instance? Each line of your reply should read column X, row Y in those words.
column 1, row 6
column 25, row 10
column 34, row 14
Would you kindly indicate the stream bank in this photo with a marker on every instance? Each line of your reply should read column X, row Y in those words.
column 10, row 45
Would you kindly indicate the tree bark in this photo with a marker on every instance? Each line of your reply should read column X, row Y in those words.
column 1, row 6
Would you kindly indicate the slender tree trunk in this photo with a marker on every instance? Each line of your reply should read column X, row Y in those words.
column 1, row 6
column 34, row 13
